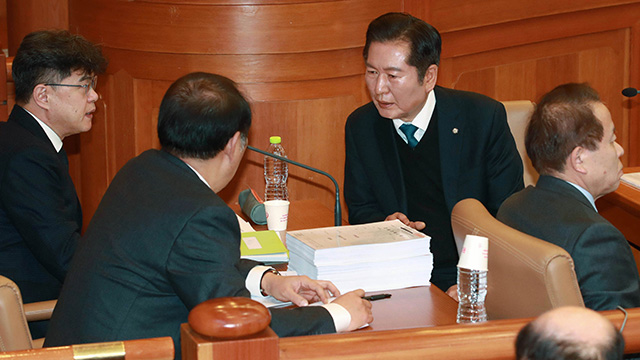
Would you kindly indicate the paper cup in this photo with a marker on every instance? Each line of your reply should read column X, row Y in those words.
column 277, row 212
column 475, row 253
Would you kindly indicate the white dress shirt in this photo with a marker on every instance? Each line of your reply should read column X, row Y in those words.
column 341, row 316
column 421, row 120
column 53, row 137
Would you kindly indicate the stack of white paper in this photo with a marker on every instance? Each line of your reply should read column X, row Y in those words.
column 378, row 256
column 632, row 179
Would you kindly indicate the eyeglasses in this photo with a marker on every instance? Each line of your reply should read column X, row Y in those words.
column 86, row 87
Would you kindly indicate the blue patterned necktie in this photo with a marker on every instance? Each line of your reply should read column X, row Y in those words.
column 409, row 130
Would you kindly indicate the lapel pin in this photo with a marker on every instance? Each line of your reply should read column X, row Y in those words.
column 454, row 130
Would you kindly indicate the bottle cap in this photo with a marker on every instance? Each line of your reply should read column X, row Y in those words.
column 275, row 140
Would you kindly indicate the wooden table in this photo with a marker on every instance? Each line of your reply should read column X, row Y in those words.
column 421, row 306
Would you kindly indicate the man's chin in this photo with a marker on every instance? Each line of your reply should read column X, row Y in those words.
column 386, row 113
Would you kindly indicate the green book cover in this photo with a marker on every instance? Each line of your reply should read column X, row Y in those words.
column 264, row 246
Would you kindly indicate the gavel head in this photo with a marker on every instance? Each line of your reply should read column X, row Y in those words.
column 229, row 317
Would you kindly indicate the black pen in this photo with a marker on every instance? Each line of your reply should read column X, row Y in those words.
column 377, row 297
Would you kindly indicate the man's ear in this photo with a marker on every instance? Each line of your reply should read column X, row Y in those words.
column 577, row 159
column 430, row 78
column 40, row 97
column 230, row 148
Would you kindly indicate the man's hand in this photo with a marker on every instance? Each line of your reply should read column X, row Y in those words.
column 300, row 290
column 418, row 225
column 359, row 308
column 453, row 292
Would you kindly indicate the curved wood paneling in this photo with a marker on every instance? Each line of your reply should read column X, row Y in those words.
column 221, row 29
column 300, row 62
column 25, row 16
column 525, row 59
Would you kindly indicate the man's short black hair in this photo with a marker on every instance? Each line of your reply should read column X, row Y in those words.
column 424, row 40
column 200, row 113
column 49, row 56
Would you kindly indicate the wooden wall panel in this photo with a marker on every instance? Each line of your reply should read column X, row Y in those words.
column 450, row 15
column 300, row 62
column 529, row 71
column 25, row 16
column 4, row 38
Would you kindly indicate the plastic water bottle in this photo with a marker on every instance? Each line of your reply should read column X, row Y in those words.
column 472, row 291
column 276, row 172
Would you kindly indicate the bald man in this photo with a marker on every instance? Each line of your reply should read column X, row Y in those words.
column 569, row 333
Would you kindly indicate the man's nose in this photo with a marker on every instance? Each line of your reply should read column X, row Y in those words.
column 93, row 95
column 620, row 150
column 381, row 84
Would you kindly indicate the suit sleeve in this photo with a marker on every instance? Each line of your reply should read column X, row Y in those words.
column 204, row 263
column 33, row 194
column 606, row 269
column 504, row 165
column 358, row 193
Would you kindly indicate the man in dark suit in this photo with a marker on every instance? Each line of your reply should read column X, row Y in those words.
column 40, row 217
column 571, row 142
column 417, row 149
column 162, row 241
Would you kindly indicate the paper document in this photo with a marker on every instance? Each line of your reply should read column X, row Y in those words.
column 377, row 256
column 632, row 179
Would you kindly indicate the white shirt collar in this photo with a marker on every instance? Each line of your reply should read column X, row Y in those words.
column 197, row 173
column 422, row 120
column 586, row 194
column 53, row 137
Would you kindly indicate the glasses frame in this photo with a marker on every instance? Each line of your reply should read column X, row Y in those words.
column 86, row 87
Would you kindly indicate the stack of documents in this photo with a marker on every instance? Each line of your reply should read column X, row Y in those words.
column 263, row 246
column 632, row 179
column 377, row 256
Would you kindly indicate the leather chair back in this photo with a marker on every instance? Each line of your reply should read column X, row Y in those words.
column 14, row 331
column 518, row 115
column 527, row 276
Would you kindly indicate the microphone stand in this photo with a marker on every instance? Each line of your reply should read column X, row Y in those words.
column 337, row 210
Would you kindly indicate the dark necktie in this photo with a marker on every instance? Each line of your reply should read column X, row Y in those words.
column 409, row 130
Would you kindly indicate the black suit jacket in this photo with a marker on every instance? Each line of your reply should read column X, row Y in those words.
column 160, row 243
column 478, row 157
column 40, row 216
column 557, row 212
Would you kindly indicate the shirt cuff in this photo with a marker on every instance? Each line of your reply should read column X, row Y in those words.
column 340, row 315
column 252, row 282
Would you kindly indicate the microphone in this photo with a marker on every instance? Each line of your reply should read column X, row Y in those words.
column 337, row 211
column 630, row 92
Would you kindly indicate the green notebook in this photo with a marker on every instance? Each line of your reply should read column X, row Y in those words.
column 263, row 246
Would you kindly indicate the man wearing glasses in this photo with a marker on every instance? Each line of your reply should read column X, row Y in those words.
column 40, row 217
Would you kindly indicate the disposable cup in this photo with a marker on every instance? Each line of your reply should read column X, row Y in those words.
column 475, row 253
column 277, row 212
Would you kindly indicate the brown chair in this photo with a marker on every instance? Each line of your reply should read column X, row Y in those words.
column 14, row 315
column 527, row 276
column 518, row 115
column 147, row 349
